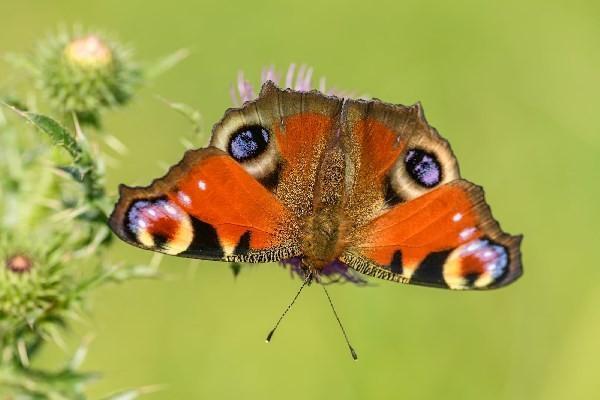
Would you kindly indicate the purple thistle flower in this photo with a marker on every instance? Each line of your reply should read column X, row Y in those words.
column 19, row 263
column 334, row 272
column 297, row 79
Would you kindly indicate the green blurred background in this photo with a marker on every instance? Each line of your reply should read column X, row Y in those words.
column 515, row 88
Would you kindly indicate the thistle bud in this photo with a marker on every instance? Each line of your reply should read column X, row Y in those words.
column 85, row 74
column 31, row 291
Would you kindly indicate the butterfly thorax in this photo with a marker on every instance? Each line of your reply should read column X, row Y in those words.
column 324, row 234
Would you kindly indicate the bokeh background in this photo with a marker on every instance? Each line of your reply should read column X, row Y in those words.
column 515, row 88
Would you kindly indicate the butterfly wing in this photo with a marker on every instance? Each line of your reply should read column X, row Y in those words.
column 417, row 221
column 242, row 198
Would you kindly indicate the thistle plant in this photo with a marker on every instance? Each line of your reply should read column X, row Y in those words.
column 54, row 240
column 296, row 78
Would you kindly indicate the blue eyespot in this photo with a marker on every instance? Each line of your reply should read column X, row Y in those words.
column 248, row 142
column 423, row 167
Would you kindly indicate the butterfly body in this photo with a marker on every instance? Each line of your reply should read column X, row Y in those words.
column 332, row 184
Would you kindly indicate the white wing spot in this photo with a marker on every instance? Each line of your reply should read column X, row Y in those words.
column 201, row 185
column 466, row 233
column 169, row 208
column 185, row 199
column 457, row 217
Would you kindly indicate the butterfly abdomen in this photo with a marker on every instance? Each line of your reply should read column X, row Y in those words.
column 323, row 238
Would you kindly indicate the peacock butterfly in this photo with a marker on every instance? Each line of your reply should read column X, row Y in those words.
column 328, row 185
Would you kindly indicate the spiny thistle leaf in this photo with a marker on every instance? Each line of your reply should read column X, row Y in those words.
column 84, row 169
column 133, row 394
column 187, row 111
column 59, row 135
column 167, row 63
column 29, row 384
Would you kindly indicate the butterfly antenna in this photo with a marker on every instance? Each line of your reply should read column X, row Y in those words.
column 352, row 352
column 306, row 281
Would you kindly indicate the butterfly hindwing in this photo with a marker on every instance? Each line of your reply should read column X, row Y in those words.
column 445, row 238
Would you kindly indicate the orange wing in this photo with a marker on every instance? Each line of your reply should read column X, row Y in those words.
column 445, row 238
column 208, row 207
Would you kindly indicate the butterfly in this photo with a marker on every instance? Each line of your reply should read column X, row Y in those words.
column 327, row 184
